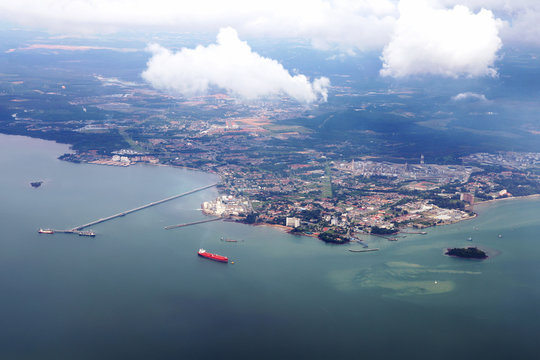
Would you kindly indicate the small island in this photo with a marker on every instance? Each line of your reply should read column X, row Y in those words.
column 36, row 184
column 467, row 253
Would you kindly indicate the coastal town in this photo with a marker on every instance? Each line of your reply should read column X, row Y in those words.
column 335, row 200
column 276, row 170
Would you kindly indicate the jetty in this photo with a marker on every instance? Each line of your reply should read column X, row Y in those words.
column 383, row 236
column 363, row 250
column 190, row 223
column 414, row 232
column 78, row 229
column 72, row 231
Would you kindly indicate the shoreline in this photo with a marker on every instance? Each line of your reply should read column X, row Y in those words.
column 280, row 227
column 512, row 198
column 284, row 228
column 277, row 226
column 457, row 221
column 480, row 205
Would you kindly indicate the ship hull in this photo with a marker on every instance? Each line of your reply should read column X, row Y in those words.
column 215, row 257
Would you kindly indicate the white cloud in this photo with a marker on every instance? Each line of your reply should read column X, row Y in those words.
column 439, row 41
column 469, row 96
column 523, row 27
column 229, row 64
column 343, row 24
column 442, row 37
column 521, row 17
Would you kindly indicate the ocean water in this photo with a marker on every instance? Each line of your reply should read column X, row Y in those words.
column 137, row 291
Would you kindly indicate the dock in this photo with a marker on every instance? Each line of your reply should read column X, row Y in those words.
column 78, row 229
column 383, row 236
column 363, row 250
column 73, row 231
column 364, row 245
column 190, row 223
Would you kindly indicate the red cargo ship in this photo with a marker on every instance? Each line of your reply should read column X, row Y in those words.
column 211, row 256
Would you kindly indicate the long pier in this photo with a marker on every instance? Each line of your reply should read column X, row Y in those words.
column 363, row 250
column 123, row 213
column 191, row 223
column 383, row 236
column 74, row 231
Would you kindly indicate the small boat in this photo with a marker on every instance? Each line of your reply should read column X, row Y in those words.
column 36, row 184
column 46, row 231
column 469, row 238
column 215, row 257
column 500, row 235
column 228, row 240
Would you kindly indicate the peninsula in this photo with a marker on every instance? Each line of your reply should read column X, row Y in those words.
column 324, row 171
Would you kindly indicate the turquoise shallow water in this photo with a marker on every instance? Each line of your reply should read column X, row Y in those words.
column 138, row 291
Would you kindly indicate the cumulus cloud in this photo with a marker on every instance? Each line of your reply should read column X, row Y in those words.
column 228, row 64
column 523, row 27
column 449, row 42
column 469, row 96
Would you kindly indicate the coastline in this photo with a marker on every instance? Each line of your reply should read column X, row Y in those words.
column 277, row 226
column 480, row 206
column 455, row 222
column 513, row 198
column 284, row 228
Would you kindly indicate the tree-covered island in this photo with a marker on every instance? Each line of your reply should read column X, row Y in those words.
column 470, row 252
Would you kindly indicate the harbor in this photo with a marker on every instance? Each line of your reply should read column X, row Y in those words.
column 79, row 229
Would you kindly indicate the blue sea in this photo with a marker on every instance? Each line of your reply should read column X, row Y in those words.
column 138, row 291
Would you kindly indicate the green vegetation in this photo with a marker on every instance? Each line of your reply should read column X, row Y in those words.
column 308, row 215
column 104, row 143
column 327, row 191
column 251, row 218
column 333, row 238
column 519, row 185
column 383, row 231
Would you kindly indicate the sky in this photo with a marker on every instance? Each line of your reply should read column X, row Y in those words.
column 444, row 38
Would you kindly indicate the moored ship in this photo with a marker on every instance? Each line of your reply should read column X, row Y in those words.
column 211, row 256
column 87, row 233
column 46, row 231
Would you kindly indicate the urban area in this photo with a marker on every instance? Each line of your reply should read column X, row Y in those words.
column 274, row 170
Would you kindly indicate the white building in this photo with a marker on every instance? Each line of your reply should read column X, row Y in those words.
column 292, row 221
